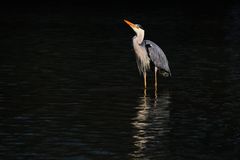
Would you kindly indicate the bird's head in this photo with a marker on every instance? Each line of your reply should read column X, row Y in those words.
column 136, row 27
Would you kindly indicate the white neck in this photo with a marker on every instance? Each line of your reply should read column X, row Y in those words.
column 143, row 61
column 140, row 35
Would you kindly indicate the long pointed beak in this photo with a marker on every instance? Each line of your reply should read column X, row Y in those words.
column 130, row 24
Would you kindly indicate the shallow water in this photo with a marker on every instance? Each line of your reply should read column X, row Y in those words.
column 71, row 90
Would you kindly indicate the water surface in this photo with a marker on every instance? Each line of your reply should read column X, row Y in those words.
column 70, row 88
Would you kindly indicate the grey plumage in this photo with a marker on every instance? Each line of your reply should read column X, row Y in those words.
column 158, row 57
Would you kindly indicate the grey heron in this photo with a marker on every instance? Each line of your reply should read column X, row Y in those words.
column 147, row 52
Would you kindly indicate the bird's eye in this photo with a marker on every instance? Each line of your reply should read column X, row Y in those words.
column 139, row 26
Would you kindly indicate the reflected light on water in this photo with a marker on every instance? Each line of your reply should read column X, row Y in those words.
column 151, row 121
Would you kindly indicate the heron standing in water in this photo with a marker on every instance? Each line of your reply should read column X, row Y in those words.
column 147, row 51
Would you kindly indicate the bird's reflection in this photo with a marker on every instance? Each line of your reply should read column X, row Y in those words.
column 151, row 121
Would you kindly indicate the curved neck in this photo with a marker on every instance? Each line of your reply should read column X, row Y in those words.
column 140, row 36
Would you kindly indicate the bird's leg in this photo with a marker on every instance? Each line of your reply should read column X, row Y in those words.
column 156, row 69
column 145, row 92
column 145, row 79
column 155, row 93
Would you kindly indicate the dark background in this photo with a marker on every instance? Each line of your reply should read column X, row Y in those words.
column 70, row 88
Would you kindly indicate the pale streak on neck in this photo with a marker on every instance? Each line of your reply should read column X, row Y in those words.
column 143, row 60
column 140, row 36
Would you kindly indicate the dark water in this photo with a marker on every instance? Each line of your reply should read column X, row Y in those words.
column 70, row 88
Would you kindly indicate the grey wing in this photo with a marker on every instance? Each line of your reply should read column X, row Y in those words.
column 157, row 56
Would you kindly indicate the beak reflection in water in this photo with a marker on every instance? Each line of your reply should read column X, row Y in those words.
column 150, row 124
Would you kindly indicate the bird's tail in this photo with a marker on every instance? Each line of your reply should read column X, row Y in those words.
column 165, row 73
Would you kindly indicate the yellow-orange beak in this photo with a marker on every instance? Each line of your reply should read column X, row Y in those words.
column 130, row 24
